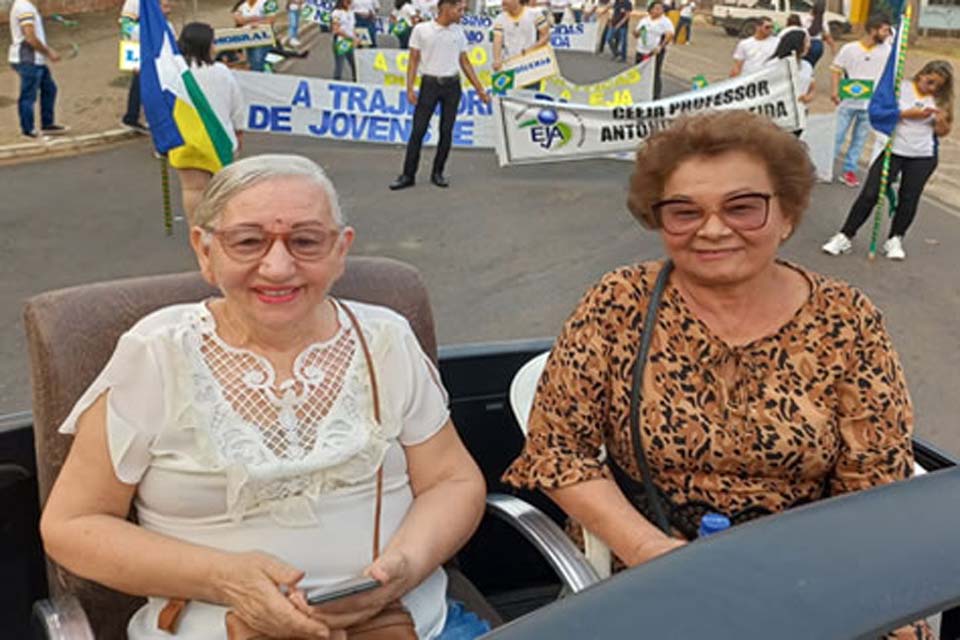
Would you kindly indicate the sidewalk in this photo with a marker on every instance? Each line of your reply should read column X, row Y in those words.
column 711, row 55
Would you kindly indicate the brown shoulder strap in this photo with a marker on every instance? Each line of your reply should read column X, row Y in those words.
column 376, row 416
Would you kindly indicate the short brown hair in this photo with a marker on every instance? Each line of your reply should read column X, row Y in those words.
column 715, row 133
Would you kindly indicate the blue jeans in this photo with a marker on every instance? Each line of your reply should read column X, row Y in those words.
column 257, row 57
column 462, row 624
column 816, row 52
column 293, row 23
column 34, row 77
column 617, row 39
column 370, row 24
column 861, row 127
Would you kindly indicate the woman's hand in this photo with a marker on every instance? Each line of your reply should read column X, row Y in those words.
column 392, row 570
column 650, row 548
column 250, row 585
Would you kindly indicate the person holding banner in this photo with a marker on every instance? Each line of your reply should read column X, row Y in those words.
column 517, row 29
column 345, row 40
column 255, row 12
column 654, row 32
column 855, row 70
column 438, row 49
column 926, row 114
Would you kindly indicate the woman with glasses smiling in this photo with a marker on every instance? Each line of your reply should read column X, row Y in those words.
column 764, row 386
column 271, row 441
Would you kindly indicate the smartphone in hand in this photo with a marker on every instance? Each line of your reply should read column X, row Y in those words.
column 353, row 586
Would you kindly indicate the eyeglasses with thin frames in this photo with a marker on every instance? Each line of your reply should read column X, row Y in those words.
column 251, row 242
column 742, row 212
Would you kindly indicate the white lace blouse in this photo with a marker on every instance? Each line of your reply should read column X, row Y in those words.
column 224, row 456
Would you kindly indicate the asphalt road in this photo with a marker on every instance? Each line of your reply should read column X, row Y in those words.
column 506, row 253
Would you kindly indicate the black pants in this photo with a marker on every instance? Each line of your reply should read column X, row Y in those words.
column 657, row 67
column 132, row 116
column 914, row 173
column 433, row 90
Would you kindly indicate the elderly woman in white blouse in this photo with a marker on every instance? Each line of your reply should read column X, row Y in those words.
column 250, row 436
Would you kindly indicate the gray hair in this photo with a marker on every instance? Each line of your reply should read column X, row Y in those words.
column 243, row 174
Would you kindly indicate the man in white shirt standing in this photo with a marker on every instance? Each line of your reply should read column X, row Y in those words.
column 685, row 24
column 860, row 60
column 516, row 30
column 751, row 53
column 654, row 32
column 29, row 54
column 439, row 50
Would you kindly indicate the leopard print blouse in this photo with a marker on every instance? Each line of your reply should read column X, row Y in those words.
column 821, row 406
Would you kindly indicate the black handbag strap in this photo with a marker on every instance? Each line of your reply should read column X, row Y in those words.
column 649, row 325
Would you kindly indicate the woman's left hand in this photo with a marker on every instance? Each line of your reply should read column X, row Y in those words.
column 392, row 570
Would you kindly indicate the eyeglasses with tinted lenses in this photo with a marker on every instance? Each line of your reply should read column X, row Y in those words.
column 248, row 243
column 743, row 212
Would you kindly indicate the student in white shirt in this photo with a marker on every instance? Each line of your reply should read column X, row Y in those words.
column 366, row 14
column 402, row 21
column 751, row 53
column 438, row 49
column 345, row 40
column 860, row 60
column 517, row 29
column 255, row 12
column 223, row 93
column 654, row 32
column 926, row 114
column 29, row 54
column 685, row 23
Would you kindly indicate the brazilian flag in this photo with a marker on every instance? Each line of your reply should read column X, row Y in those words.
column 343, row 46
column 855, row 89
column 400, row 28
column 503, row 81
column 699, row 82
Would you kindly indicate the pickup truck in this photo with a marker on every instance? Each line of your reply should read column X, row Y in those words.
column 739, row 17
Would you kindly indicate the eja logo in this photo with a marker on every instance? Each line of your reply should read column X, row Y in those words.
column 547, row 130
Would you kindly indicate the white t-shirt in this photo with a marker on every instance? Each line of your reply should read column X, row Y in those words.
column 407, row 13
column 687, row 10
column 259, row 9
column 365, row 7
column 227, row 470
column 650, row 32
column 914, row 138
column 440, row 48
column 857, row 62
column 130, row 9
column 559, row 5
column 754, row 53
column 806, row 21
column 23, row 13
column 224, row 95
column 805, row 72
column 347, row 21
column 520, row 32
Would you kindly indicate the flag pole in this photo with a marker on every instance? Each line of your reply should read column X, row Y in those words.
column 902, row 37
column 165, row 187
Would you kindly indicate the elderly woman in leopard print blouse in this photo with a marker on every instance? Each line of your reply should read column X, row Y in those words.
column 766, row 386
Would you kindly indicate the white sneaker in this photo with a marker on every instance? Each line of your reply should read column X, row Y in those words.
column 893, row 249
column 295, row 43
column 837, row 244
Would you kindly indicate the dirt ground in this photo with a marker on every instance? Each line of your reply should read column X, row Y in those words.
column 92, row 91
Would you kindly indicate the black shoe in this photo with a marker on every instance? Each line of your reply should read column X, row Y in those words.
column 32, row 134
column 137, row 126
column 55, row 129
column 439, row 180
column 402, row 182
